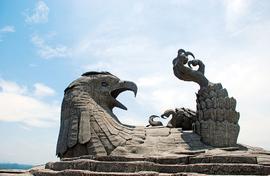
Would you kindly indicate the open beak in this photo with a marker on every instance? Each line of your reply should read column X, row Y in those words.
column 121, row 87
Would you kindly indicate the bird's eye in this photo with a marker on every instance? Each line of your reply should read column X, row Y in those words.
column 104, row 84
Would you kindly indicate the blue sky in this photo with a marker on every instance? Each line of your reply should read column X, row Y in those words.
column 44, row 45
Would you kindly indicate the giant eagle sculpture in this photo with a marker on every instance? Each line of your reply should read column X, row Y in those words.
column 89, row 127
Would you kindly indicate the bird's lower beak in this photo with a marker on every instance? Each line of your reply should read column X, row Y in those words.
column 121, row 87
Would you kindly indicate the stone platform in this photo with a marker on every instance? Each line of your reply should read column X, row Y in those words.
column 160, row 141
column 191, row 157
column 241, row 161
column 187, row 156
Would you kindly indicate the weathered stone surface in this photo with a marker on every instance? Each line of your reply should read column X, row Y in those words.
column 187, row 73
column 46, row 172
column 89, row 127
column 84, row 127
column 217, row 122
column 241, row 160
column 217, row 119
column 108, row 134
column 181, row 118
column 229, row 165
column 223, row 159
column 157, row 131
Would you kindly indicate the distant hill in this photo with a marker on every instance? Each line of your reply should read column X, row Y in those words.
column 15, row 166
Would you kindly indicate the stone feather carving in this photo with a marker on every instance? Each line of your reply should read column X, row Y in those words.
column 88, row 125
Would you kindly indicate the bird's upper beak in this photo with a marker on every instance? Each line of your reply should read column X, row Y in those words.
column 120, row 87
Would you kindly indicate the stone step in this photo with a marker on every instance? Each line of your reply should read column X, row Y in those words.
column 14, row 172
column 223, row 159
column 184, row 159
column 137, row 166
column 46, row 172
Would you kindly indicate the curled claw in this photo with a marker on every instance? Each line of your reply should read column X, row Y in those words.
column 181, row 51
column 154, row 123
column 199, row 63
column 193, row 63
column 167, row 113
column 189, row 64
column 183, row 68
column 187, row 53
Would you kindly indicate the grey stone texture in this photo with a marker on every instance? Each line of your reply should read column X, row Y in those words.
column 217, row 120
column 240, row 160
column 182, row 68
column 181, row 118
column 152, row 122
column 89, row 127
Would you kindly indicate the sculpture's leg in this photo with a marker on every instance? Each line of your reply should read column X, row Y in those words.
column 217, row 122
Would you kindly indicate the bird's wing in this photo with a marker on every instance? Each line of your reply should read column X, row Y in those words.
column 84, row 130
column 75, row 124
column 64, row 127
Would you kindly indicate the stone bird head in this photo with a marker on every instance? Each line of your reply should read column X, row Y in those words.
column 102, row 87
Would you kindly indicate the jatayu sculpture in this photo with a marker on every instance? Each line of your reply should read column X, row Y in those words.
column 89, row 127
column 92, row 141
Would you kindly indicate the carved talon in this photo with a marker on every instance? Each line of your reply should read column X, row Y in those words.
column 190, row 54
column 186, row 73
column 167, row 113
column 191, row 63
column 194, row 63
column 154, row 123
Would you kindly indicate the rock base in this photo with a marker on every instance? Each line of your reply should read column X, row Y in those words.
column 223, row 161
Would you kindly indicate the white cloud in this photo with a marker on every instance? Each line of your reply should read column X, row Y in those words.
column 7, row 29
column 166, row 91
column 42, row 90
column 37, row 15
column 18, row 104
column 47, row 51
column 235, row 13
column 150, row 81
column 12, row 87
